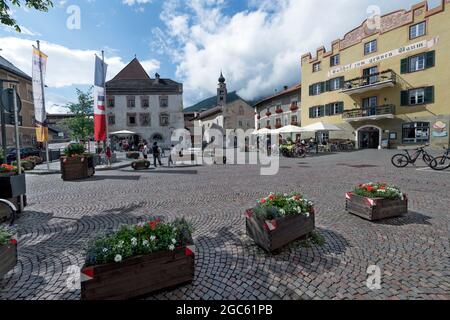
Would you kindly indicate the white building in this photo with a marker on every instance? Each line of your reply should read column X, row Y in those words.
column 151, row 108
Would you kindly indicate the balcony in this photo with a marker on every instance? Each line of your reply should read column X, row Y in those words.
column 373, row 113
column 376, row 81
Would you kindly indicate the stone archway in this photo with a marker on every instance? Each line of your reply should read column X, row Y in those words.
column 369, row 137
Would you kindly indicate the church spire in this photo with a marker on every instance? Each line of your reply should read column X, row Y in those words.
column 222, row 91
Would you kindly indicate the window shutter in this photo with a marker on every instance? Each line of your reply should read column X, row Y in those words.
column 429, row 95
column 311, row 112
column 431, row 57
column 404, row 66
column 328, row 109
column 311, row 90
column 341, row 107
column 404, row 98
column 322, row 110
column 322, row 87
column 326, row 86
column 342, row 82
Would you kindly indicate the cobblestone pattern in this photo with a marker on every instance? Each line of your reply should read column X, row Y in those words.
column 412, row 251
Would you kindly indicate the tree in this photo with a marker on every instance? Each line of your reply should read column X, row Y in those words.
column 5, row 11
column 81, row 125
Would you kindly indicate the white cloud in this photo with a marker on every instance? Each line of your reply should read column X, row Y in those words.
column 66, row 66
column 258, row 49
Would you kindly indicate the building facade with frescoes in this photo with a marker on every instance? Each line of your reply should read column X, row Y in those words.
column 385, row 83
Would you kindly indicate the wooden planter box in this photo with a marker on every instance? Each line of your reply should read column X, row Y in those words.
column 77, row 168
column 140, row 165
column 8, row 258
column 375, row 209
column 138, row 276
column 12, row 186
column 275, row 234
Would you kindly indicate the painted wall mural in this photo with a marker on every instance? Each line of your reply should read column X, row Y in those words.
column 440, row 129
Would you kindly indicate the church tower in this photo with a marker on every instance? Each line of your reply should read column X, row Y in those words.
column 222, row 92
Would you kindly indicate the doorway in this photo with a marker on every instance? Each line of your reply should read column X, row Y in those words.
column 369, row 138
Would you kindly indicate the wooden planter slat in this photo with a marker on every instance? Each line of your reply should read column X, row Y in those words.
column 8, row 258
column 75, row 169
column 140, row 165
column 139, row 276
column 286, row 230
column 375, row 209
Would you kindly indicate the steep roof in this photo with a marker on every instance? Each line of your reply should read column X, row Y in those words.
column 212, row 103
column 288, row 91
column 8, row 66
column 133, row 71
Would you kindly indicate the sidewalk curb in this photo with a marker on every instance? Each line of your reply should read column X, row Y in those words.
column 47, row 173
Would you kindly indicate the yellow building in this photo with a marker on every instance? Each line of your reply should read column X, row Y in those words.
column 386, row 82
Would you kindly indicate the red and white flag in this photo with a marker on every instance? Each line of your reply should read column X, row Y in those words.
column 100, row 100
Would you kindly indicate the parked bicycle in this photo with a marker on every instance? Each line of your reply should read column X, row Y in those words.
column 405, row 159
column 442, row 162
column 11, row 207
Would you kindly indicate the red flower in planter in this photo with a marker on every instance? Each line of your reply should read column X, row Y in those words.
column 263, row 201
column 370, row 188
column 13, row 241
column 154, row 224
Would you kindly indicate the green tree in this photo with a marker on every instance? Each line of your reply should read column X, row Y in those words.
column 81, row 126
column 5, row 13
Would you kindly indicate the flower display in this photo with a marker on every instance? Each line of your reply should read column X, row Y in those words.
column 7, row 236
column 131, row 241
column 6, row 168
column 379, row 190
column 281, row 205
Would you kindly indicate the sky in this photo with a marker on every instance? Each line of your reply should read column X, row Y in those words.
column 256, row 43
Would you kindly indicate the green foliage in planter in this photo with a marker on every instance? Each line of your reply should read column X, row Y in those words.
column 281, row 205
column 379, row 190
column 36, row 160
column 6, row 234
column 74, row 149
column 24, row 163
column 145, row 238
column 6, row 168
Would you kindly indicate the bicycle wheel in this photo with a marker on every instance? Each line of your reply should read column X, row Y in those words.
column 427, row 158
column 400, row 160
column 440, row 163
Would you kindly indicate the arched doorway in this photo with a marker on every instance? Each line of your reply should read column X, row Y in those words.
column 369, row 137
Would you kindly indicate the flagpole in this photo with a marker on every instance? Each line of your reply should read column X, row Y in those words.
column 105, row 102
column 43, row 102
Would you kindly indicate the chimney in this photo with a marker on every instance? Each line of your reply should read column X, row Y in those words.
column 157, row 77
column 285, row 88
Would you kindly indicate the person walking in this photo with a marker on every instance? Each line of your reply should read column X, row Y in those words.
column 170, row 156
column 145, row 151
column 156, row 154
column 108, row 154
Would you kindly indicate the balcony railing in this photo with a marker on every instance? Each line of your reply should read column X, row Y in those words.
column 374, row 81
column 374, row 113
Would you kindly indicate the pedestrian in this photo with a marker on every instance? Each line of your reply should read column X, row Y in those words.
column 156, row 154
column 145, row 151
column 108, row 154
column 170, row 156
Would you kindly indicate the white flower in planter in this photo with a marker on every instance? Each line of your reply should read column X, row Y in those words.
column 118, row 258
column 307, row 215
column 145, row 243
column 174, row 241
column 134, row 242
column 105, row 250
column 120, row 245
column 152, row 238
column 171, row 247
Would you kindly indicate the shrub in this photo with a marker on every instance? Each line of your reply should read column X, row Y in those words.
column 145, row 238
column 281, row 205
column 74, row 149
column 379, row 190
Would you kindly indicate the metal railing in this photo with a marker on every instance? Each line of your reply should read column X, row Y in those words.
column 388, row 109
column 371, row 80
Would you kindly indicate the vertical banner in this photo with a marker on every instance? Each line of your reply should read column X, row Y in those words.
column 100, row 100
column 39, row 66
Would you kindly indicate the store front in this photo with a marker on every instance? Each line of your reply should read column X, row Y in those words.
column 369, row 137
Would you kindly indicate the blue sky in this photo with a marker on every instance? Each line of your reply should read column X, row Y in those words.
column 257, row 43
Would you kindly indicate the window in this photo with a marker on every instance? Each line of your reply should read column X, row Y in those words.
column 111, row 120
column 241, row 111
column 131, row 119
column 131, row 102
column 163, row 101
column 336, row 84
column 334, row 108
column 278, row 123
column 164, row 120
column 419, row 62
column 294, row 120
column 417, row 30
column 240, row 124
column 111, row 102
column 317, row 112
column 268, row 123
column 335, row 60
column 316, row 67
column 370, row 102
column 145, row 119
column 316, row 89
column 416, row 132
column 371, row 75
column 322, row 136
column 417, row 96
column 145, row 102
column 370, row 47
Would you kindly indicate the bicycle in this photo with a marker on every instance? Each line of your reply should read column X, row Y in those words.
column 441, row 163
column 403, row 160
column 11, row 207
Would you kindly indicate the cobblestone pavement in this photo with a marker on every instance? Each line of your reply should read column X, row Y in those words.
column 412, row 251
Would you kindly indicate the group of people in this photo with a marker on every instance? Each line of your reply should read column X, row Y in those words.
column 157, row 153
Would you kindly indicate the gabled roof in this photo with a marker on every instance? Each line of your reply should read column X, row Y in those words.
column 133, row 71
column 288, row 91
column 8, row 66
column 210, row 112
column 212, row 103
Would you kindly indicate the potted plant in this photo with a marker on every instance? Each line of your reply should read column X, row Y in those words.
column 140, row 164
column 12, row 184
column 138, row 260
column 26, row 164
column 76, row 164
column 8, row 250
column 35, row 159
column 279, row 219
column 376, row 201
column 294, row 107
column 268, row 113
column 279, row 110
